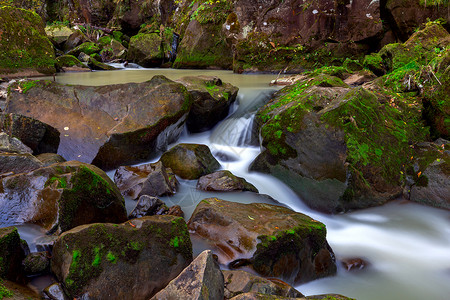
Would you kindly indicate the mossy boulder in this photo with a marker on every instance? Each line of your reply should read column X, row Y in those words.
column 24, row 47
column 74, row 40
column 94, row 64
column 36, row 263
column 108, row 125
column 87, row 48
column 429, row 176
column 146, row 49
column 338, row 149
column 69, row 63
column 190, row 161
column 108, row 261
column 58, row 33
column 60, row 197
column 275, row 241
column 212, row 100
column 11, row 254
column 224, row 181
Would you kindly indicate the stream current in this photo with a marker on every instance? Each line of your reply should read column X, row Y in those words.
column 407, row 245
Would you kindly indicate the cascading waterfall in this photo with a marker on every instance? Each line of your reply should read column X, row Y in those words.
column 406, row 244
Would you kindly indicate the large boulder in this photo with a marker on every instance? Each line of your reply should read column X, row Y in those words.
column 212, row 99
column 60, row 197
column 25, row 49
column 201, row 280
column 148, row 179
column 240, row 282
column 204, row 44
column 338, row 149
column 405, row 17
column 11, row 254
column 127, row 261
column 190, row 161
column 275, row 241
column 224, row 181
column 146, row 49
column 40, row 137
column 107, row 125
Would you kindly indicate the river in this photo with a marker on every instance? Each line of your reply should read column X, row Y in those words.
column 406, row 244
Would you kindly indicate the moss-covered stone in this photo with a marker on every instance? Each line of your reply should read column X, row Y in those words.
column 92, row 259
column 67, row 61
column 146, row 49
column 24, row 45
column 87, row 48
column 11, row 254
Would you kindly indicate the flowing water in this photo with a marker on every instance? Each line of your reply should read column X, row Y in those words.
column 406, row 244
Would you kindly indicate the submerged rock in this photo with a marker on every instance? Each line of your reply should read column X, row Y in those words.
column 190, row 161
column 60, row 197
column 212, row 99
column 149, row 179
column 275, row 241
column 109, row 261
column 201, row 280
column 224, row 181
column 11, row 254
column 108, row 125
column 25, row 49
column 241, row 282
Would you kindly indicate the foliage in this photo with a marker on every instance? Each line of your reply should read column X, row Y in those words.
column 4, row 292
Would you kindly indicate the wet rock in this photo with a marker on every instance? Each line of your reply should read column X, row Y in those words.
column 430, row 174
column 48, row 159
column 54, row 292
column 224, row 181
column 329, row 296
column 26, row 49
column 18, row 163
column 45, row 243
column 108, row 261
column 176, row 211
column 148, row 206
column 212, row 99
column 40, row 137
column 60, row 197
column 150, row 179
column 241, row 282
column 146, row 49
column 275, row 241
column 354, row 264
column 36, row 263
column 94, row 64
column 190, row 161
column 9, row 144
column 407, row 16
column 11, row 254
column 108, row 125
column 202, row 279
column 74, row 40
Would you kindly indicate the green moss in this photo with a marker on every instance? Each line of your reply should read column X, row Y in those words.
column 284, row 114
column 62, row 182
column 4, row 292
column 111, row 257
column 23, row 42
column 376, row 134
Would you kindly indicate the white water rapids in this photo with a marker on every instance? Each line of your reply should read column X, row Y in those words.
column 406, row 244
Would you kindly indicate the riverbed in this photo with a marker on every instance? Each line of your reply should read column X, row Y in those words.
column 406, row 245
